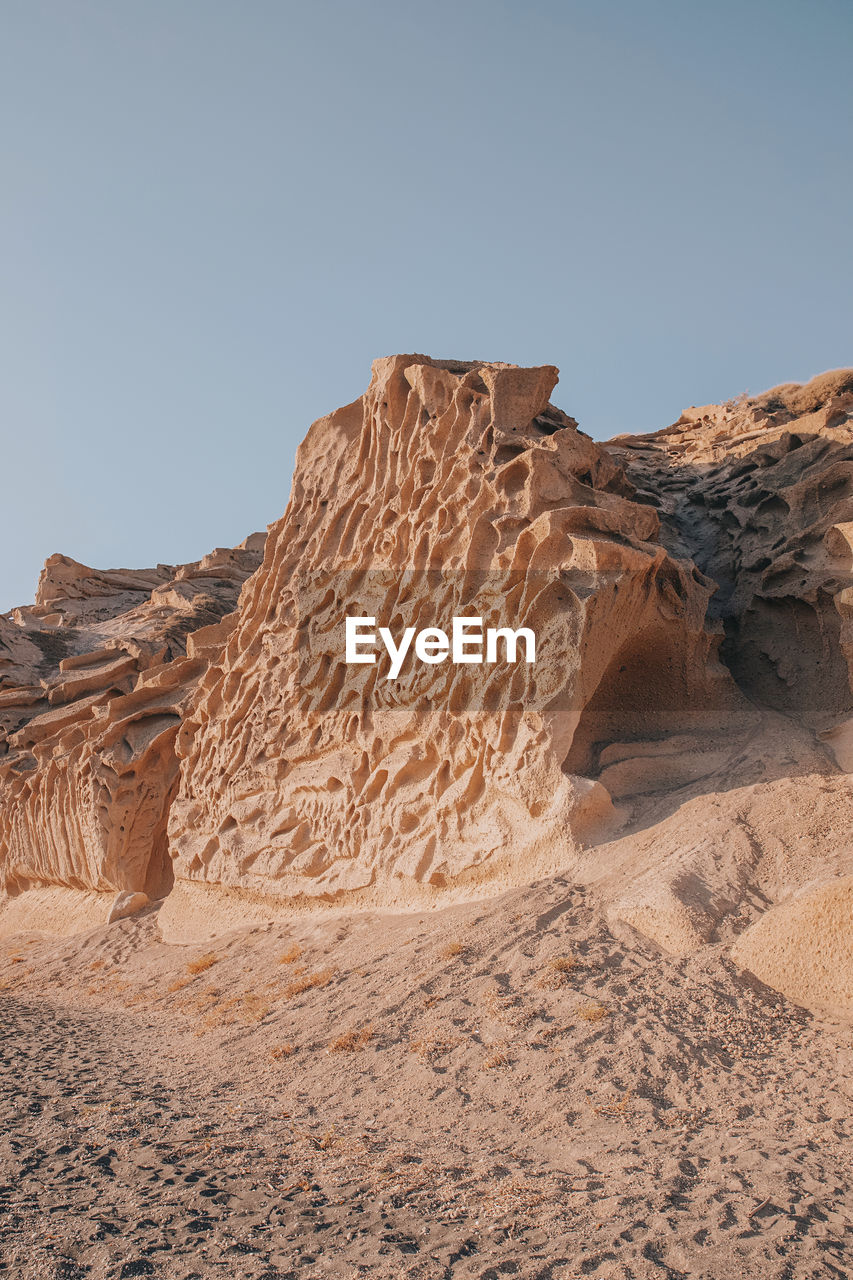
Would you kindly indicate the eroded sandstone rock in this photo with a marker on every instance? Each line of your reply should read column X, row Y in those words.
column 94, row 680
column 446, row 490
column 759, row 493
column 683, row 740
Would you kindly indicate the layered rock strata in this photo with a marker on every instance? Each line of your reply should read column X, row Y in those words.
column 94, row 681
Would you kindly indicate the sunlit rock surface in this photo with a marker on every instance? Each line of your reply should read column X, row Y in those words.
column 682, row 743
column 94, row 680
column 447, row 490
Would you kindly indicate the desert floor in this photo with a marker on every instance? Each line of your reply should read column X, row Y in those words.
column 507, row 1088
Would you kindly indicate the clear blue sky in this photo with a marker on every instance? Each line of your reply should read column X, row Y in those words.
column 214, row 215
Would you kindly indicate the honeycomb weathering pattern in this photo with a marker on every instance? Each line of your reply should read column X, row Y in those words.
column 94, row 679
column 704, row 802
column 446, row 488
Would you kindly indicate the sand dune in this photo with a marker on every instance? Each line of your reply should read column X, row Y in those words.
column 504, row 1088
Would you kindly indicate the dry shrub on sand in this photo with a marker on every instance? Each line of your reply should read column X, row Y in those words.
column 305, row 981
column 557, row 970
column 202, row 963
column 245, row 1007
column 351, row 1041
column 281, row 1051
column 255, row 1008
column 453, row 949
column 514, row 1197
column 615, row 1106
column 291, row 955
column 593, row 1012
column 798, row 398
column 496, row 1059
column 430, row 1045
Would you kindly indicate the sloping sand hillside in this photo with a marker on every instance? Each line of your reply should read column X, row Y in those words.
column 503, row 1088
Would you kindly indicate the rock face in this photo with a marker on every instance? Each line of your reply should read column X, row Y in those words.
column 759, row 493
column 94, row 680
column 683, row 740
column 447, row 490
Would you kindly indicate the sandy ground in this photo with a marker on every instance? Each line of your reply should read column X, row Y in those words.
column 507, row 1088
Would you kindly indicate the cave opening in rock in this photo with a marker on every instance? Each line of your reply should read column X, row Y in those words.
column 647, row 692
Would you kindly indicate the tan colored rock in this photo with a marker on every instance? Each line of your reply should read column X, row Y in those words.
column 838, row 539
column 54, row 909
column 759, row 493
column 127, row 904
column 447, row 490
column 94, row 679
column 690, row 792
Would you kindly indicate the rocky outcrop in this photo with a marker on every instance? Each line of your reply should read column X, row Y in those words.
column 683, row 740
column 448, row 490
column 759, row 493
column 94, row 680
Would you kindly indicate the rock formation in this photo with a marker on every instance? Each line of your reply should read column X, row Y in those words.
column 94, row 679
column 759, row 494
column 446, row 490
column 683, row 740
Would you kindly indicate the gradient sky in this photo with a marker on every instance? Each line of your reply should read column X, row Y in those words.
column 215, row 215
